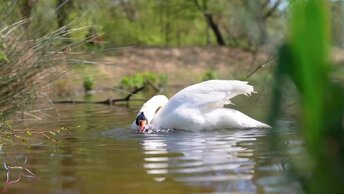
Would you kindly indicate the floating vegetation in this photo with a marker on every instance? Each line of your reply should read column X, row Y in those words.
column 24, row 135
column 19, row 170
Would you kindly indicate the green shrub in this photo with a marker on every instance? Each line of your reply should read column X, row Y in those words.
column 88, row 83
column 140, row 79
column 209, row 75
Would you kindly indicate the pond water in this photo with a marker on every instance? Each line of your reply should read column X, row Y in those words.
column 100, row 154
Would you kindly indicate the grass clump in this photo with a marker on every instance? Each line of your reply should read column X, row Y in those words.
column 31, row 57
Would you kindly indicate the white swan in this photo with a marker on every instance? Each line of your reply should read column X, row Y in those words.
column 197, row 107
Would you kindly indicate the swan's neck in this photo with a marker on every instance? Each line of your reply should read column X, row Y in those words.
column 152, row 106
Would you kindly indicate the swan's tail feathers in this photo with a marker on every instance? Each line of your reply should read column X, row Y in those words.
column 230, row 118
column 245, row 121
column 248, row 122
column 261, row 125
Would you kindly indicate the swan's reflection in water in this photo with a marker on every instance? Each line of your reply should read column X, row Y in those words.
column 213, row 159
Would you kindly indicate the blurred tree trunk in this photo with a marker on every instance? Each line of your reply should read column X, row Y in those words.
column 262, row 11
column 337, row 15
column 166, row 21
column 268, row 10
column 62, row 9
column 128, row 9
column 215, row 28
column 210, row 22
column 26, row 7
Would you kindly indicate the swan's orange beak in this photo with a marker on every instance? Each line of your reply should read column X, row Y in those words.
column 142, row 125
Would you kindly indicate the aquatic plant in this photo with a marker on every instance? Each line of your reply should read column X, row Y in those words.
column 305, row 61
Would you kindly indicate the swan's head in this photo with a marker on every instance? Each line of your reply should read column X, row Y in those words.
column 147, row 113
column 141, row 121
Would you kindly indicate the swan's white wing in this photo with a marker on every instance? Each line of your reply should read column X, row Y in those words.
column 211, row 94
column 200, row 106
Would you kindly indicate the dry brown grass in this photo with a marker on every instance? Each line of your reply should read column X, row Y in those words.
column 30, row 64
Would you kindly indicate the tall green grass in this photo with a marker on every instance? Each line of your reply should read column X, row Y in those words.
column 28, row 60
column 305, row 61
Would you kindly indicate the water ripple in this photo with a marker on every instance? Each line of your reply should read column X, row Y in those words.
column 212, row 157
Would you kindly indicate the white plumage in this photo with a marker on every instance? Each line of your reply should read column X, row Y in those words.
column 200, row 107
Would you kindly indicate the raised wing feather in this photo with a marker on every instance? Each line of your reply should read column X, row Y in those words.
column 211, row 94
